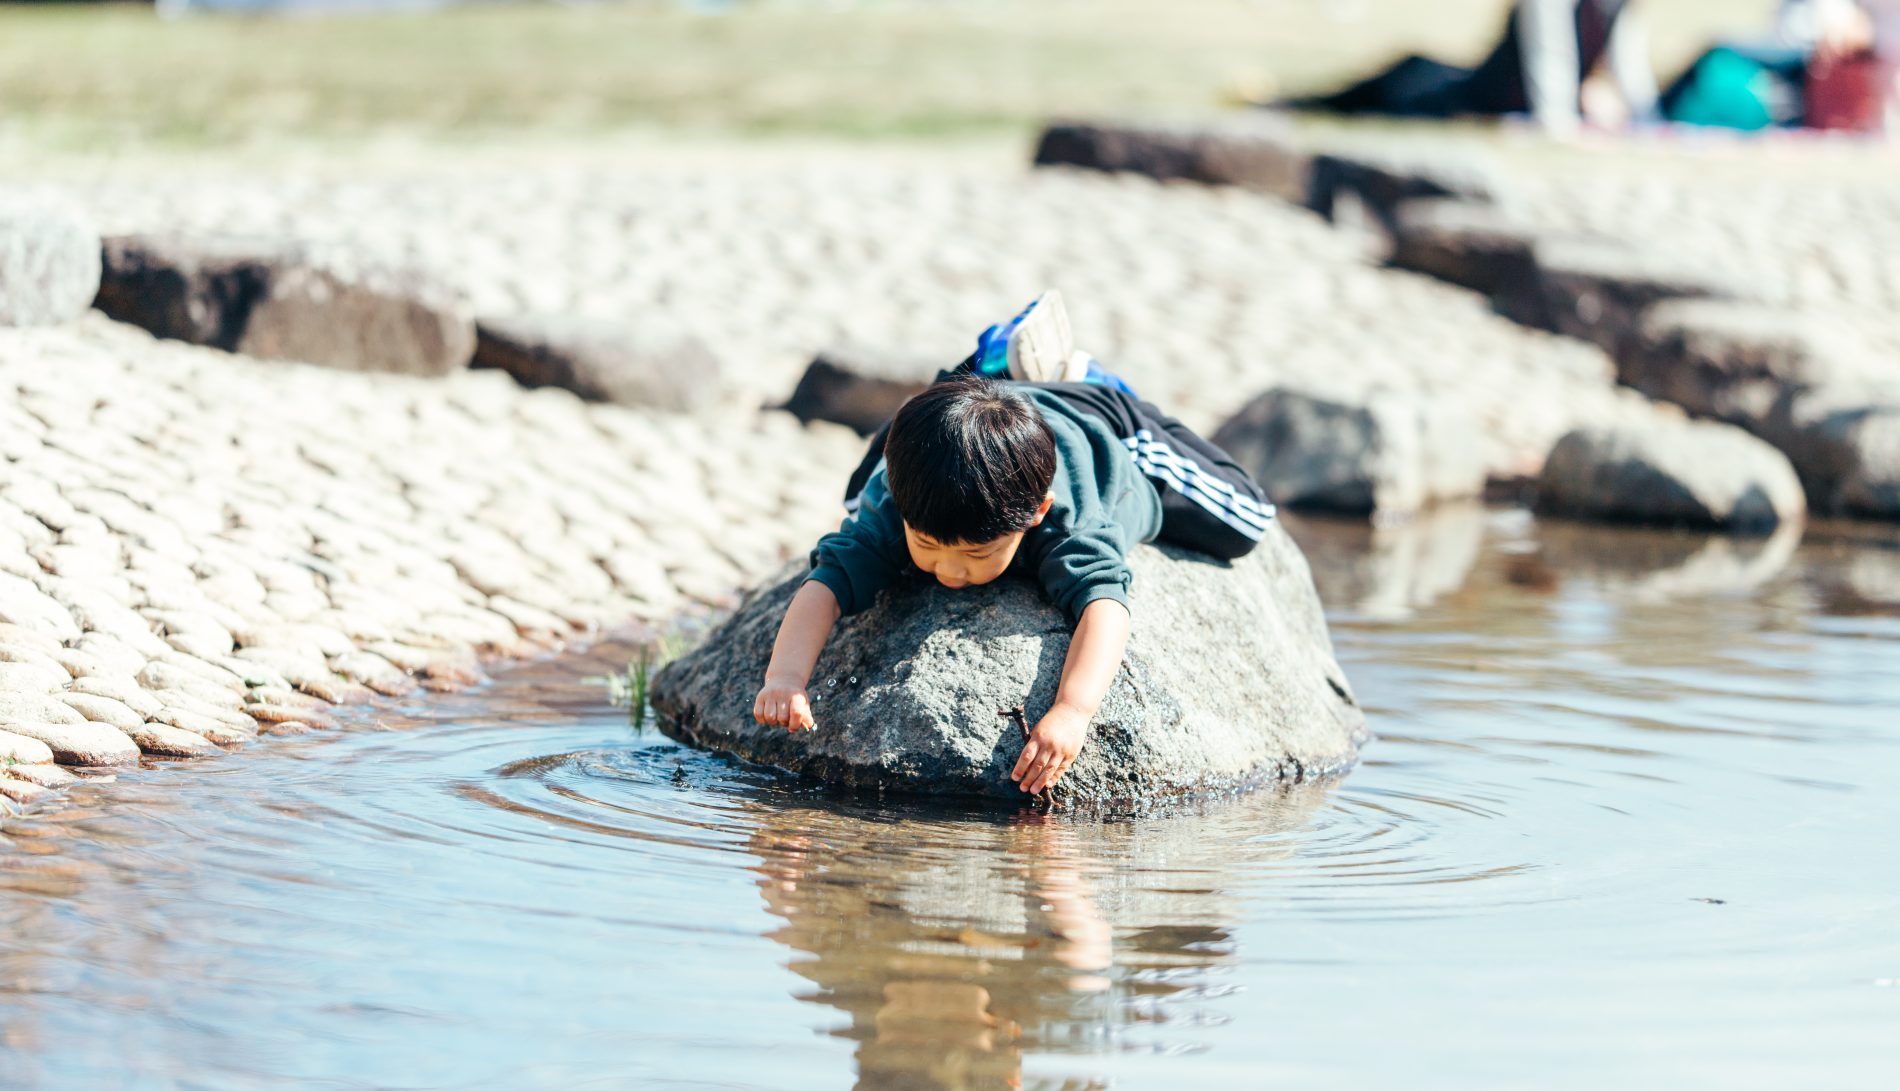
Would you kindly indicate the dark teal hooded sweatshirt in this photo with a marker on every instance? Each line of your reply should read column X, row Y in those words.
column 1103, row 505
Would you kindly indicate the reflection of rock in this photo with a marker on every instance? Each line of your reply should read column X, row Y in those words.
column 1672, row 472
column 965, row 945
column 1660, row 564
column 1390, row 571
column 1229, row 679
column 1860, row 569
column 1384, row 454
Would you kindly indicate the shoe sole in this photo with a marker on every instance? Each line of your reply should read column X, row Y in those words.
column 1040, row 349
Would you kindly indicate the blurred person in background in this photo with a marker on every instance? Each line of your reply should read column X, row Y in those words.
column 1563, row 62
column 1816, row 68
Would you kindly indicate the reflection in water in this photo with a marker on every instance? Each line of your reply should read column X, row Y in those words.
column 1659, row 565
column 1618, row 779
column 1392, row 570
column 959, row 945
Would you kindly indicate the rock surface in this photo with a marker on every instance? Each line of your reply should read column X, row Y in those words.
column 1733, row 361
column 1474, row 245
column 1229, row 680
column 1844, row 440
column 859, row 387
column 1600, row 290
column 1201, row 296
column 281, row 300
column 1256, row 151
column 1383, row 183
column 198, row 289
column 1386, row 454
column 20, row 748
column 1687, row 473
column 81, row 743
column 618, row 362
column 1816, row 391
column 182, row 555
column 49, row 261
column 365, row 320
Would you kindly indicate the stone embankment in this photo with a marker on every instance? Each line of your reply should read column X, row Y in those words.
column 1751, row 285
column 198, row 547
column 198, row 544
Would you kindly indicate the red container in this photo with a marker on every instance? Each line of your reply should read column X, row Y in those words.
column 1854, row 95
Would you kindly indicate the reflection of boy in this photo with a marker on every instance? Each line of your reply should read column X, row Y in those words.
column 976, row 476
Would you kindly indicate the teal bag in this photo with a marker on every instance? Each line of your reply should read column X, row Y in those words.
column 1730, row 90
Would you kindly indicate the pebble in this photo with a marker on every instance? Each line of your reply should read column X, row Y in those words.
column 81, row 743
column 164, row 740
column 20, row 748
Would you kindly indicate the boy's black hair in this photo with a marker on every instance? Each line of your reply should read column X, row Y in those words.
column 968, row 461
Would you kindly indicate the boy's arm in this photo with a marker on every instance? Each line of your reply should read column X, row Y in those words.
column 783, row 702
column 1095, row 654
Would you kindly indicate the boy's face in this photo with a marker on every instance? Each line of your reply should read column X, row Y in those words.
column 967, row 564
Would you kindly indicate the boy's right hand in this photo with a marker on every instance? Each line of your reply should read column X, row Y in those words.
column 782, row 704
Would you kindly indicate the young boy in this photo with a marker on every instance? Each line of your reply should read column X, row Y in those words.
column 976, row 476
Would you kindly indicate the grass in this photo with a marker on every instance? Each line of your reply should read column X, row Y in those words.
column 634, row 687
column 91, row 78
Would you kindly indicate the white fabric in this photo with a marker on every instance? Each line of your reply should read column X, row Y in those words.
column 1547, row 38
column 1163, row 463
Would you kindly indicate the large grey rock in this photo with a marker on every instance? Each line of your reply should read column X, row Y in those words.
column 1844, row 440
column 1388, row 454
column 859, row 387
column 623, row 363
column 1256, row 151
column 1816, row 392
column 49, row 261
column 1476, row 245
column 361, row 320
column 1734, row 361
column 1229, row 680
column 281, row 301
column 1670, row 471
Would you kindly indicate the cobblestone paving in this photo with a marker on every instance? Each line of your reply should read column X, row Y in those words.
column 194, row 544
column 1811, row 228
column 203, row 543
column 1201, row 297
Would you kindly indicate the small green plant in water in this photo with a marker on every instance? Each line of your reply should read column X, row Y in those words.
column 632, row 689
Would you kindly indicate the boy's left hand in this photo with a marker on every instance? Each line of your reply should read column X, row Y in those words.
column 1052, row 747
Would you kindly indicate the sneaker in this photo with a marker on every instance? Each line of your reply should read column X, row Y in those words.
column 1041, row 346
column 1081, row 368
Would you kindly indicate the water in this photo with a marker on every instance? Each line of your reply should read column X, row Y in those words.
column 1630, row 819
